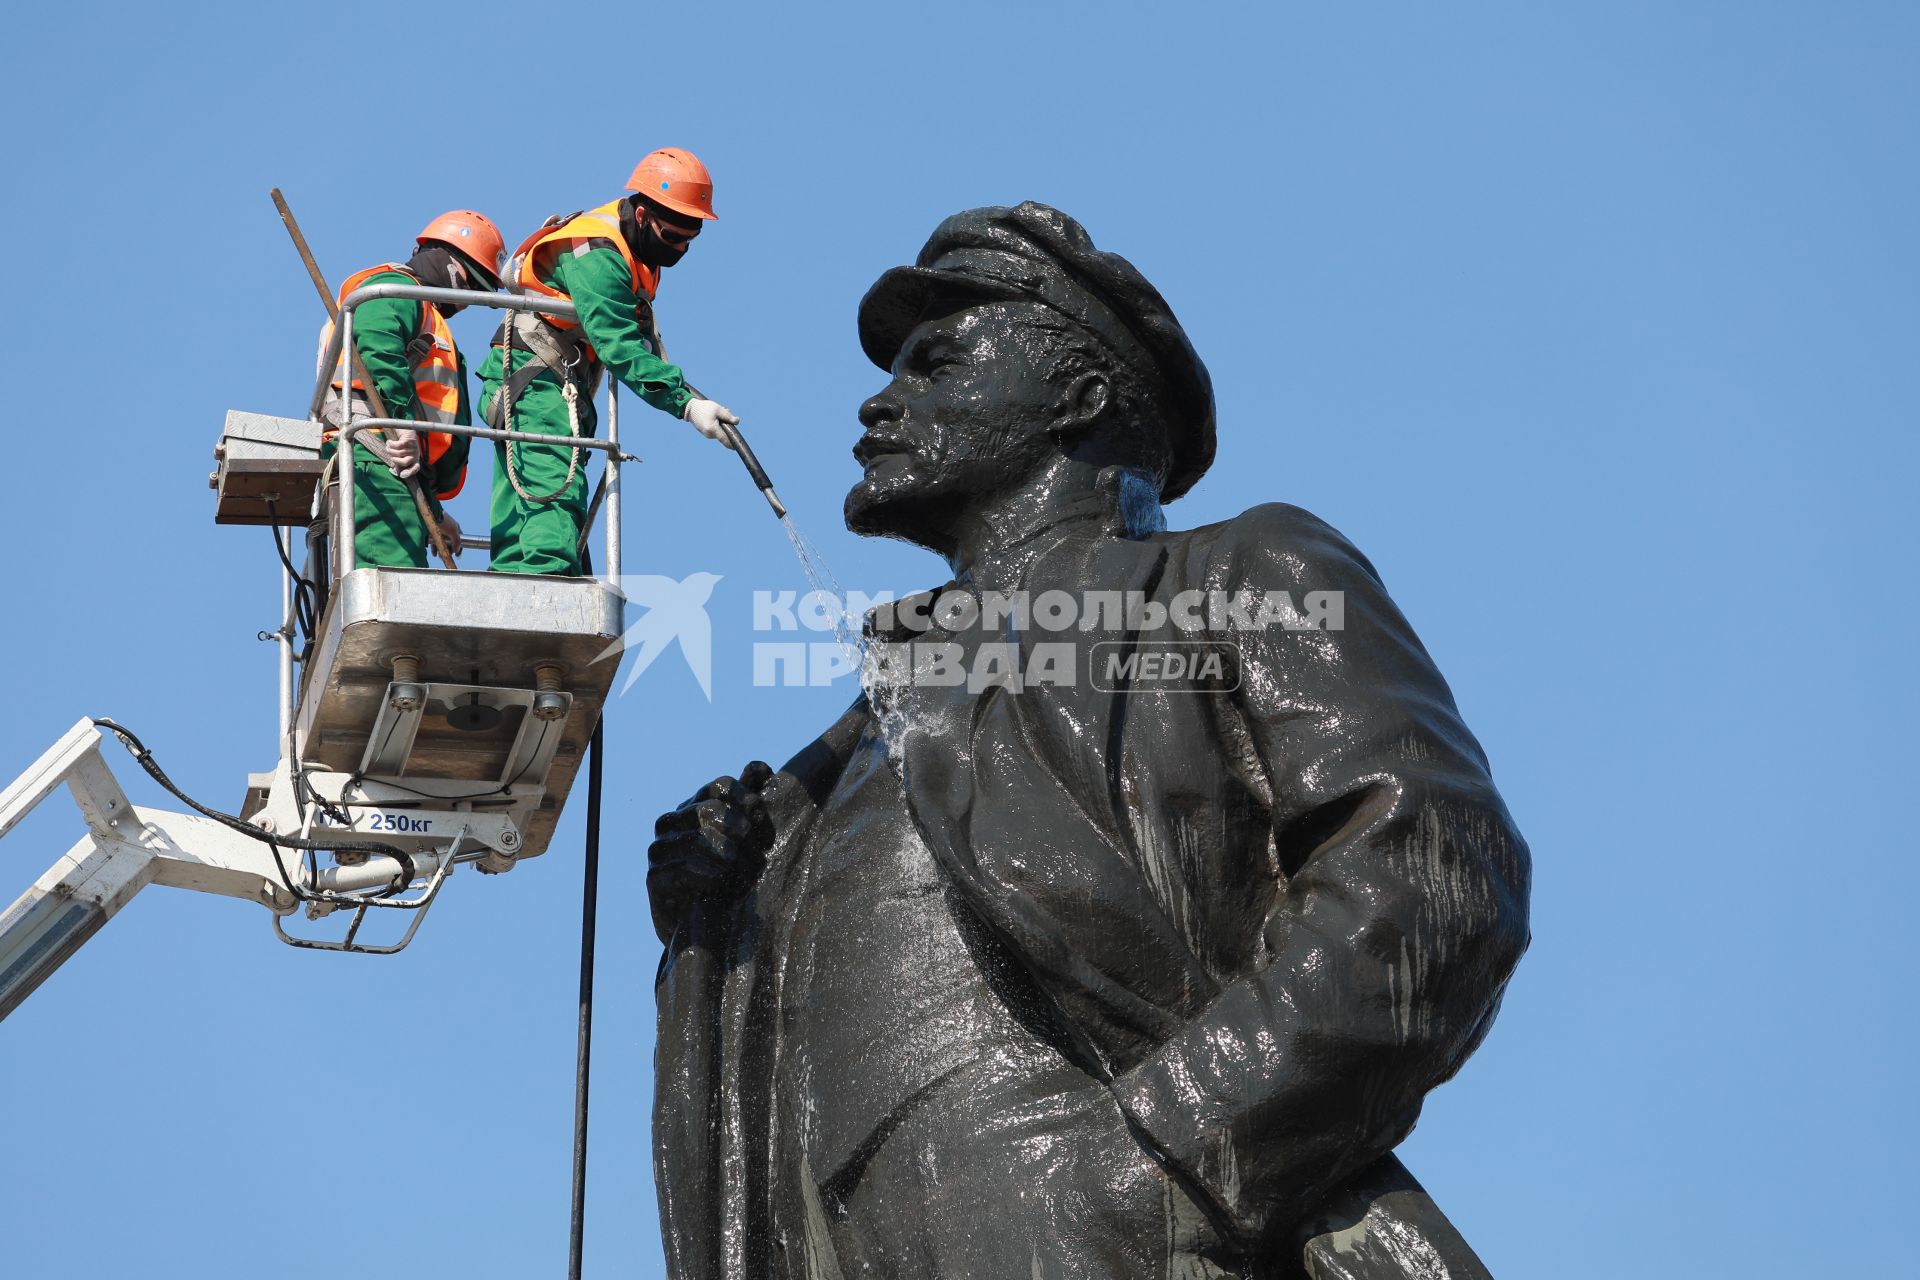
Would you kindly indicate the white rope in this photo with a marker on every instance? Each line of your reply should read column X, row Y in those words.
column 567, row 389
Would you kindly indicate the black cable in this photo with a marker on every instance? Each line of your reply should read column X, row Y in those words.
column 303, row 587
column 305, row 792
column 144, row 757
column 589, row 915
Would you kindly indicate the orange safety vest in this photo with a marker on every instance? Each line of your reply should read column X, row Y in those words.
column 436, row 369
column 571, row 234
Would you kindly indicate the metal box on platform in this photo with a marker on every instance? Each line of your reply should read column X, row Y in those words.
column 265, row 460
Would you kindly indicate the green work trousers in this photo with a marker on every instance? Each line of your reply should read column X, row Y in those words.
column 387, row 531
column 540, row 537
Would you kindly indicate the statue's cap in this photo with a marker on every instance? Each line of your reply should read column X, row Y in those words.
column 1034, row 253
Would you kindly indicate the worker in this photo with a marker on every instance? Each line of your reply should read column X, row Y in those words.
column 608, row 261
column 409, row 352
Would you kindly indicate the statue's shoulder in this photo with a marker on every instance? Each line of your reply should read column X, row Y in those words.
column 1274, row 544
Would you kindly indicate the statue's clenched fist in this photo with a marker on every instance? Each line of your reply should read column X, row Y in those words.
column 711, row 847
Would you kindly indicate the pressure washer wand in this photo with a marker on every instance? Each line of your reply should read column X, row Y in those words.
column 738, row 443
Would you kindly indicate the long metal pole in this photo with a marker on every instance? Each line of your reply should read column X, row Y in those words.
column 613, row 482
column 359, row 372
column 485, row 433
column 343, row 523
column 287, row 625
column 589, row 915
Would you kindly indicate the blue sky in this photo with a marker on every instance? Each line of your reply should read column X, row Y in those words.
column 1592, row 325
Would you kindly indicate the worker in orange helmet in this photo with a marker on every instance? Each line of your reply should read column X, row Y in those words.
column 409, row 353
column 543, row 370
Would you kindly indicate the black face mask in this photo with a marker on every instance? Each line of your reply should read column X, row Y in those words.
column 656, row 252
column 437, row 266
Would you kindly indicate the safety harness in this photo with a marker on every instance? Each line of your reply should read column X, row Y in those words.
column 563, row 352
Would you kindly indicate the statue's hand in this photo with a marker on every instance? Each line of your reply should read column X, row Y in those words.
column 711, row 847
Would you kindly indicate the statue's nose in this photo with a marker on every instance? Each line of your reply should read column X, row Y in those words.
column 879, row 409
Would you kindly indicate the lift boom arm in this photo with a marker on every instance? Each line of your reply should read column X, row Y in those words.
column 126, row 848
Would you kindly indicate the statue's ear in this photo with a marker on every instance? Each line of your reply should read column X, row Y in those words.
column 1082, row 403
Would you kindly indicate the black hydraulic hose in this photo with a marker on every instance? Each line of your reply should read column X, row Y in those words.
column 589, row 914
column 146, row 761
column 305, row 593
column 319, row 558
column 737, row 441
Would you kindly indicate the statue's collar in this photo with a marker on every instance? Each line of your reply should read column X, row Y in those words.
column 1123, row 503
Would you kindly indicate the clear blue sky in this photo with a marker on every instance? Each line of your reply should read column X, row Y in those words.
column 1594, row 326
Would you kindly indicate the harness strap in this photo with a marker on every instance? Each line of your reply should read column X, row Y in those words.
column 575, row 373
column 559, row 351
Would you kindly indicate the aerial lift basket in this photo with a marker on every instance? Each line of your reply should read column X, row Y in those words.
column 432, row 719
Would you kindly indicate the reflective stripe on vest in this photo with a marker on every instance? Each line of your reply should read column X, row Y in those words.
column 436, row 369
column 574, row 234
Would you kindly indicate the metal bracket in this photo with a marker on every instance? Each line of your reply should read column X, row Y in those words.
column 419, row 816
column 531, row 756
column 322, row 902
column 73, row 760
column 395, row 728
column 404, row 707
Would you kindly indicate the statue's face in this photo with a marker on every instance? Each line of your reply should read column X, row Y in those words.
column 965, row 418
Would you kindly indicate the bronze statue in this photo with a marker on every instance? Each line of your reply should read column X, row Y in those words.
column 1121, row 926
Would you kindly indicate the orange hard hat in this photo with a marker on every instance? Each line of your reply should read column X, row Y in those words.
column 676, row 180
column 474, row 235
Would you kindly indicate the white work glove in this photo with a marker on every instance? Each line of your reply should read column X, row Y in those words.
column 402, row 448
column 708, row 416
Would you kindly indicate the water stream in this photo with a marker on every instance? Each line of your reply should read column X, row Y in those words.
column 884, row 697
column 822, row 582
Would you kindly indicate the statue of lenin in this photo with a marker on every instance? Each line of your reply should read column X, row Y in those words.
column 1082, row 972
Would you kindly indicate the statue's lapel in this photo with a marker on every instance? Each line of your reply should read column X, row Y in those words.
column 1015, row 794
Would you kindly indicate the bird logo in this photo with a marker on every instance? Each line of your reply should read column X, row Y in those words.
column 675, row 611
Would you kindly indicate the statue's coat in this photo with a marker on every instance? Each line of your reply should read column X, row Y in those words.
column 1264, row 923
